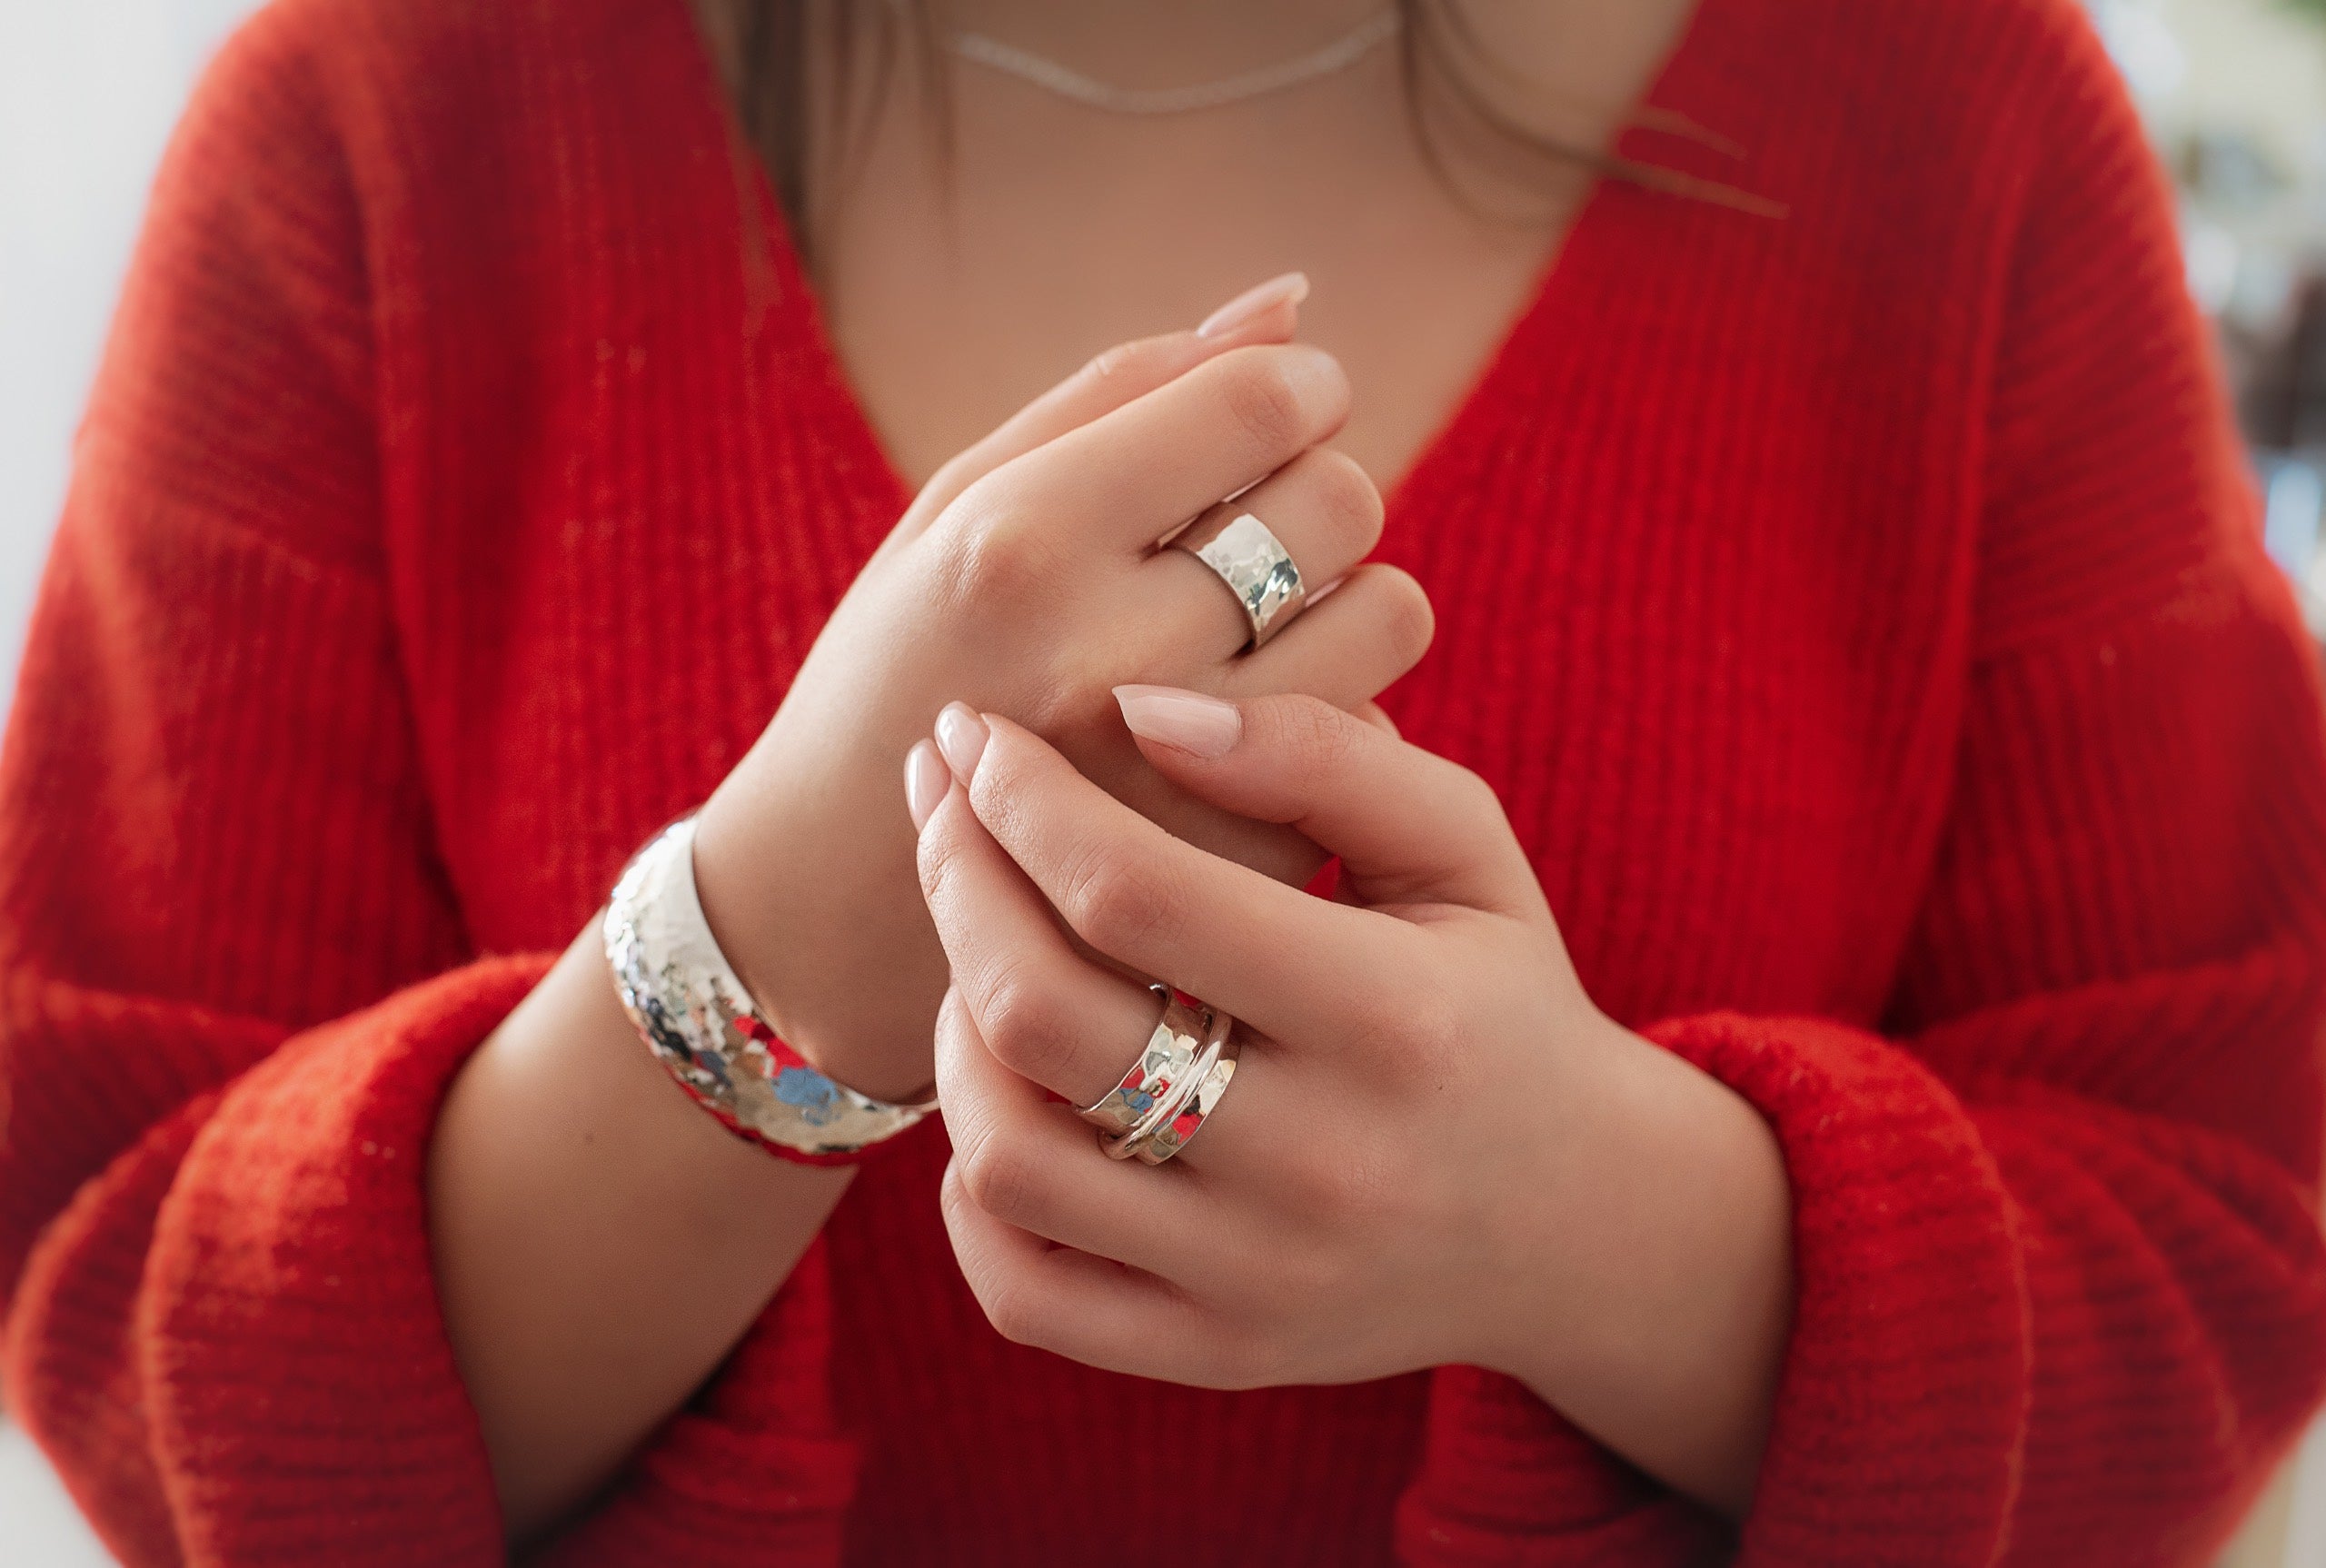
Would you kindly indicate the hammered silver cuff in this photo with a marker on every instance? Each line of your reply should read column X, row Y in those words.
column 694, row 1015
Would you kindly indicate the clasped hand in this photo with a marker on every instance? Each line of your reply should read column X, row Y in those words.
column 1436, row 1148
column 1409, row 1046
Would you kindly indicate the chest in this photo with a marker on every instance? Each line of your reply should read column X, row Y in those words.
column 953, row 296
column 973, row 245
column 1697, row 532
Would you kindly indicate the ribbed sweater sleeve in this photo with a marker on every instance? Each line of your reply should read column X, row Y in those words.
column 234, row 983
column 2061, row 1297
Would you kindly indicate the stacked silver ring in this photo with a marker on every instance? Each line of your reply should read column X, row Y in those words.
column 1174, row 1086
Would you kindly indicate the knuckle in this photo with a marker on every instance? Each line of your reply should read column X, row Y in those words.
column 1262, row 399
column 1301, row 1278
column 1065, row 687
column 1346, row 496
column 989, row 556
column 1119, row 907
column 1000, row 1178
column 1016, row 1312
column 1025, row 1027
column 1336, row 1193
column 1408, row 621
column 1371, row 1185
column 1478, row 798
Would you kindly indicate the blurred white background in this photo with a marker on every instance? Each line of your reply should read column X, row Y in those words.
column 90, row 88
column 88, row 92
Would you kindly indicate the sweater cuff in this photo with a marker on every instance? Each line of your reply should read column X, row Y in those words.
column 756, row 1472
column 1896, row 1433
column 1506, row 1482
column 290, row 1284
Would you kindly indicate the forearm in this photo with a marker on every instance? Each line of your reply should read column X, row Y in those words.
column 1657, row 1313
column 600, row 1243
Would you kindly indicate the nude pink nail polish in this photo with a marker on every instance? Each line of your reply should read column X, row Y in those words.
column 1189, row 720
column 962, row 736
column 926, row 780
column 1288, row 289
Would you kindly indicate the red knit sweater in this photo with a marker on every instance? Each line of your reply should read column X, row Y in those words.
column 1859, row 612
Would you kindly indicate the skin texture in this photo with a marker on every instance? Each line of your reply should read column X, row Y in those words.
column 1436, row 1149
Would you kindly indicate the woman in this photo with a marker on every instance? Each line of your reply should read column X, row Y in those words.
column 1810, row 1055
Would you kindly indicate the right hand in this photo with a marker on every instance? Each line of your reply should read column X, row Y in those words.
column 1024, row 581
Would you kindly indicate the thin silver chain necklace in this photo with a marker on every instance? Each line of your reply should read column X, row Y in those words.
column 1338, row 55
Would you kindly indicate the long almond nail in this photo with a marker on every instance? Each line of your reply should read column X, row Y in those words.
column 962, row 736
column 1187, row 721
column 926, row 781
column 1289, row 289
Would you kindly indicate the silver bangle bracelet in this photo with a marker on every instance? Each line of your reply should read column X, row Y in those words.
column 694, row 1015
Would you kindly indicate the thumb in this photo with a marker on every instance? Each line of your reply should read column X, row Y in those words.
column 1409, row 826
column 1268, row 313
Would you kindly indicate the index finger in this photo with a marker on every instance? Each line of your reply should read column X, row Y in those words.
column 1102, row 384
column 1410, row 826
column 1137, row 473
column 1275, row 957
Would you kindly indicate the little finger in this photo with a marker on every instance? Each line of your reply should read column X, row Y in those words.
column 1106, row 381
column 1347, row 647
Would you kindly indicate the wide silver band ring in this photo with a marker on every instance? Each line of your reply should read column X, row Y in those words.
column 1171, row 1049
column 1256, row 567
column 1179, row 1112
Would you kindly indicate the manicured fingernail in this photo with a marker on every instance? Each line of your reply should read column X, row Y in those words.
column 926, row 781
column 1187, row 719
column 960, row 734
column 1289, row 289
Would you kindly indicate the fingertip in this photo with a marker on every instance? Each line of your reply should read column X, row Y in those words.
column 927, row 778
column 1187, row 722
column 1283, row 291
column 962, row 734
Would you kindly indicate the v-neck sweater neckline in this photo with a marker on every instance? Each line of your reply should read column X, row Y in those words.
column 1857, row 614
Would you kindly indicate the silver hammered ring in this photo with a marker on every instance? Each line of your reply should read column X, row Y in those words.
column 1170, row 1050
column 1257, row 570
column 1183, row 1106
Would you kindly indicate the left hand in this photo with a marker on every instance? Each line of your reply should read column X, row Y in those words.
column 1424, row 1153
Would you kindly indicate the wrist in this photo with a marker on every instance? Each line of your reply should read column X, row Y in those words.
column 798, row 916
column 681, row 992
column 1653, row 1297
column 1565, row 1208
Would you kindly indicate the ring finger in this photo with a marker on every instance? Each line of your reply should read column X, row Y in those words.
column 1372, row 627
column 1042, row 1008
column 1033, row 1166
column 1322, row 510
